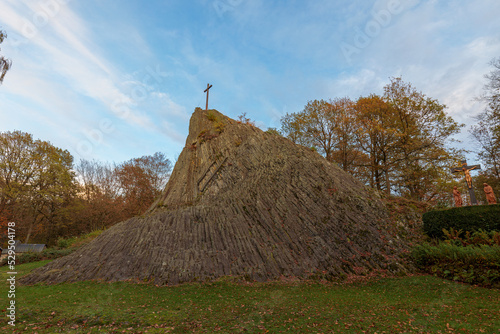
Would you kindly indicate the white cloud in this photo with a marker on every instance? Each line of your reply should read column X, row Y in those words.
column 70, row 76
column 86, row 63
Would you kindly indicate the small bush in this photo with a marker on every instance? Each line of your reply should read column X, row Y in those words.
column 64, row 243
column 469, row 218
column 219, row 126
column 28, row 257
column 52, row 253
column 211, row 116
column 218, row 122
column 273, row 131
column 470, row 264
column 84, row 239
column 243, row 119
column 479, row 237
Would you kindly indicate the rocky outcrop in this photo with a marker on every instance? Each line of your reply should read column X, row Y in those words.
column 246, row 203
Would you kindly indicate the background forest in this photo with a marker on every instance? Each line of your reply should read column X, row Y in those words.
column 400, row 143
column 50, row 197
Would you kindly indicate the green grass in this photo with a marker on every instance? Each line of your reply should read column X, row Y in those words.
column 418, row 304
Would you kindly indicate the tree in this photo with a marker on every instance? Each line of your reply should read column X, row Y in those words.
column 293, row 128
column 35, row 180
column 423, row 131
column 141, row 180
column 4, row 220
column 492, row 95
column 396, row 143
column 346, row 152
column 98, row 204
column 111, row 193
column 47, row 199
column 327, row 126
column 320, row 124
column 486, row 132
column 377, row 138
column 489, row 145
column 5, row 64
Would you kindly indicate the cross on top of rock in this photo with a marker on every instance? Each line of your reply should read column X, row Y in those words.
column 206, row 91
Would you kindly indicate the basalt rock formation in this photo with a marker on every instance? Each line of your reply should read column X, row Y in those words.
column 246, row 203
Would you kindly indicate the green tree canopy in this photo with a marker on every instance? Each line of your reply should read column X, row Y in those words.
column 35, row 179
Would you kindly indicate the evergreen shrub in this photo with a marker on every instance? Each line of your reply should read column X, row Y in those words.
column 473, row 264
column 468, row 218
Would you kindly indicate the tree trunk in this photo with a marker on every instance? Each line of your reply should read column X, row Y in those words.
column 30, row 230
column 387, row 183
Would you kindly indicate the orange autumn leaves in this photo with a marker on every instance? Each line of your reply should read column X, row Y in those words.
column 397, row 143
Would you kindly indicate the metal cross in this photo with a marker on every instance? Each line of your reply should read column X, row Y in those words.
column 468, row 179
column 206, row 91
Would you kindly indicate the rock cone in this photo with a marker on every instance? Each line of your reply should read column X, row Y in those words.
column 247, row 203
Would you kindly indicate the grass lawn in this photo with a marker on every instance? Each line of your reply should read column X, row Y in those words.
column 418, row 304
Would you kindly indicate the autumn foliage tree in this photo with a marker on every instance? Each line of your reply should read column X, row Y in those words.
column 327, row 126
column 47, row 197
column 35, row 181
column 423, row 131
column 397, row 143
column 97, row 205
column 141, row 180
column 111, row 193
column 293, row 127
column 377, row 138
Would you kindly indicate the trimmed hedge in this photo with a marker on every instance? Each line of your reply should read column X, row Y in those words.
column 468, row 218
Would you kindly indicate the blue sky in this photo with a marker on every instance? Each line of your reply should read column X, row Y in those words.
column 113, row 80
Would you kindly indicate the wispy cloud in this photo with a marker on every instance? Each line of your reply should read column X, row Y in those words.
column 70, row 71
column 118, row 78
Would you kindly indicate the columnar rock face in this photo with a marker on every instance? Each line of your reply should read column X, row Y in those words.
column 247, row 203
